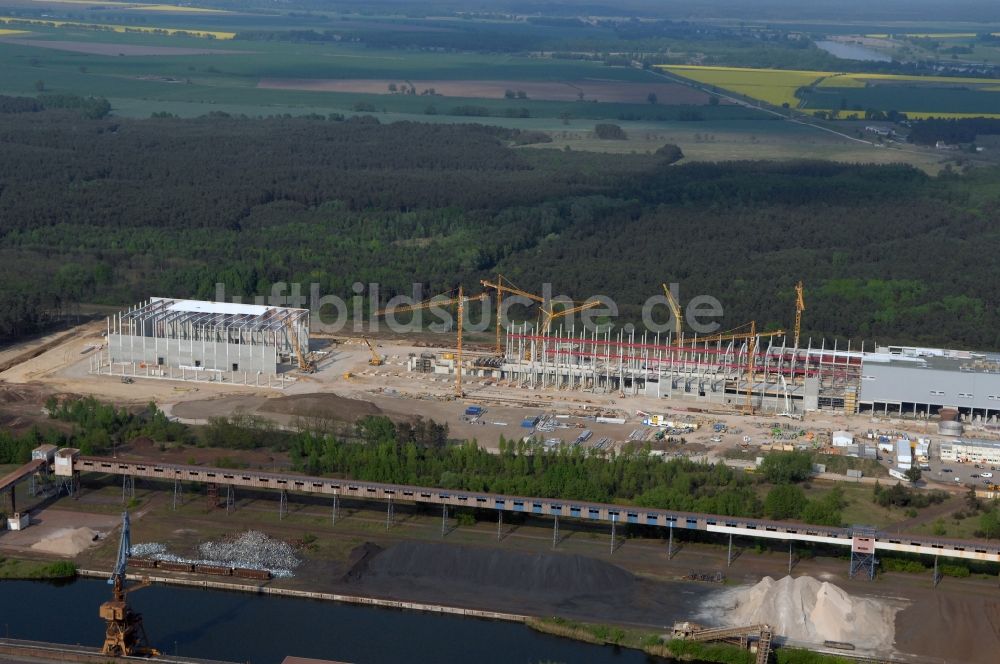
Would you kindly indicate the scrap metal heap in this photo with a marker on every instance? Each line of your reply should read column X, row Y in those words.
column 125, row 635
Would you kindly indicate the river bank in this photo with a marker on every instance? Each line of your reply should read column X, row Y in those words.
column 18, row 569
column 243, row 626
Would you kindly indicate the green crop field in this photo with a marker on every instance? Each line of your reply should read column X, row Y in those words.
column 904, row 97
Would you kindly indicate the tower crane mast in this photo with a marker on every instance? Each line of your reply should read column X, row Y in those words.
column 503, row 285
column 800, row 306
column 747, row 331
column 675, row 309
column 436, row 301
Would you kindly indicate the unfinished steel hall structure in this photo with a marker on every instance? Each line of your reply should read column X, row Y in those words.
column 779, row 378
column 214, row 341
column 784, row 379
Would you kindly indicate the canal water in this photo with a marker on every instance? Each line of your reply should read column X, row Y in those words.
column 852, row 51
column 243, row 627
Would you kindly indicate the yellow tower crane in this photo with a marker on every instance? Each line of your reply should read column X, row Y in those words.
column 800, row 306
column 443, row 301
column 675, row 309
column 501, row 287
column 550, row 314
column 752, row 337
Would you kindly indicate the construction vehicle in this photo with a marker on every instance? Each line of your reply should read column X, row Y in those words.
column 125, row 635
column 501, row 287
column 305, row 366
column 459, row 302
column 675, row 310
column 375, row 360
column 800, row 306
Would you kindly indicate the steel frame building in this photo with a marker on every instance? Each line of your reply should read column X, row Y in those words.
column 197, row 340
column 785, row 379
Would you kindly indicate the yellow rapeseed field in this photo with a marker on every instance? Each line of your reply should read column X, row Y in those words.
column 841, row 81
column 775, row 86
column 137, row 5
column 9, row 20
column 4, row 32
column 921, row 115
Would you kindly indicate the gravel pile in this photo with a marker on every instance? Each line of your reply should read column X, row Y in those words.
column 811, row 611
column 250, row 550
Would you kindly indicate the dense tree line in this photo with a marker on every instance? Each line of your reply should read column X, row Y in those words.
column 113, row 210
column 952, row 131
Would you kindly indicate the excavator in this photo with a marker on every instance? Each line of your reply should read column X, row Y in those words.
column 375, row 360
column 125, row 635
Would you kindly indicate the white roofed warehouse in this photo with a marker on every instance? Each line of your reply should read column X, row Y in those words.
column 197, row 340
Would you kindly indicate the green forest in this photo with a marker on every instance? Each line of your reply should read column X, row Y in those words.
column 110, row 210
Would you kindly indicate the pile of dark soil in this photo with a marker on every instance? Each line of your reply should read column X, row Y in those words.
column 504, row 579
column 525, row 573
column 321, row 405
column 358, row 561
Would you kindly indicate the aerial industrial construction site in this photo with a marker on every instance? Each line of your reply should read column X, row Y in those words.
column 727, row 398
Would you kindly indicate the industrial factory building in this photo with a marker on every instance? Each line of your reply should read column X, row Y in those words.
column 196, row 340
column 921, row 381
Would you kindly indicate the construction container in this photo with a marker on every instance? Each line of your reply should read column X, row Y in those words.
column 19, row 521
column 44, row 453
column 474, row 411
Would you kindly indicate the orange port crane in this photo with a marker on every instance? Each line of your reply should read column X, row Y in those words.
column 444, row 301
column 800, row 306
column 675, row 309
column 752, row 337
column 501, row 287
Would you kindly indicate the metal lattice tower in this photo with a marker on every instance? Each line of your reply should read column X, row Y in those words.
column 444, row 520
column 283, row 505
column 555, row 532
column 614, row 521
column 390, row 514
column 178, row 491
column 128, row 488
column 336, row 508
column 230, row 498
column 863, row 551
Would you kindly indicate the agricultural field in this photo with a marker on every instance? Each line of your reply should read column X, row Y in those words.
column 774, row 86
column 149, row 72
column 108, row 27
column 847, row 93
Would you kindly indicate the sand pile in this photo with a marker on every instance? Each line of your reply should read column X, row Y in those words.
column 67, row 541
column 808, row 610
